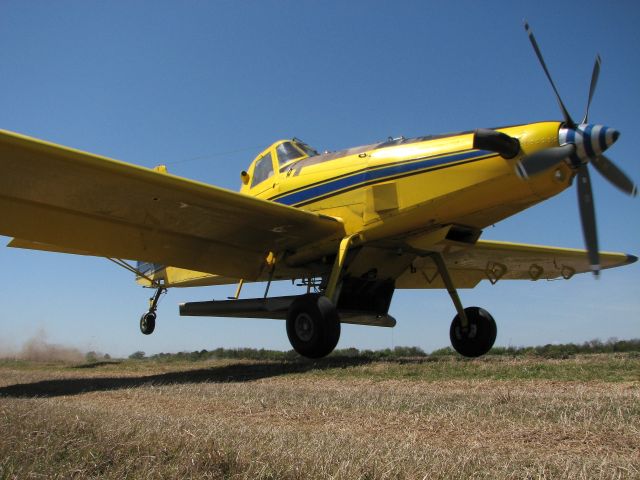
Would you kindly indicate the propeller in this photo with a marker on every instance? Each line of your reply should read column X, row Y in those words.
column 565, row 112
column 592, row 87
column 588, row 218
column 579, row 145
column 542, row 160
column 608, row 170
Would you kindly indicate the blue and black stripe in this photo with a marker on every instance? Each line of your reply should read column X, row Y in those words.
column 367, row 176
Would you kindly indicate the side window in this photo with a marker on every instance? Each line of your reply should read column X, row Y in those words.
column 262, row 170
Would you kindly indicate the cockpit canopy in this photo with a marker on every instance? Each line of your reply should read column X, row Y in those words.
column 291, row 150
column 278, row 156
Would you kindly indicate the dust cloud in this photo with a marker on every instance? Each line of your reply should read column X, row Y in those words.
column 38, row 349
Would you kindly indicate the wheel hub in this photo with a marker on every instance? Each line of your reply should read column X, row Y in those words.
column 479, row 336
column 469, row 332
column 304, row 327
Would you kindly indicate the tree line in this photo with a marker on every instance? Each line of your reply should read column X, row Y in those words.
column 561, row 350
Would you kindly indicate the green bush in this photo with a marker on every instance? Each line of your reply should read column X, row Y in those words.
column 563, row 350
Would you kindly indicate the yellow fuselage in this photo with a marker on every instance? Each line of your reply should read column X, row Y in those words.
column 411, row 186
column 405, row 187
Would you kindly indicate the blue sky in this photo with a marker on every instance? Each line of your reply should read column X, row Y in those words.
column 204, row 86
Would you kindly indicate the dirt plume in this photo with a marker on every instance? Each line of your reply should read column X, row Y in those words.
column 38, row 349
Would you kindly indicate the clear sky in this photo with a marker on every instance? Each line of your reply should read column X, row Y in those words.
column 204, row 86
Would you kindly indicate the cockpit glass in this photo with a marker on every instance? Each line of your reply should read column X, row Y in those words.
column 287, row 152
column 262, row 170
column 310, row 152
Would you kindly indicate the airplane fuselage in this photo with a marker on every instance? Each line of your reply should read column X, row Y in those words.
column 403, row 187
column 399, row 189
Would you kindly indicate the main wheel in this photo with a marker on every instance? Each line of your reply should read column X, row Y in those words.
column 313, row 326
column 478, row 338
column 148, row 323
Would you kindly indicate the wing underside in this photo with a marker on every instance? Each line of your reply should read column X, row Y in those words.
column 494, row 261
column 64, row 200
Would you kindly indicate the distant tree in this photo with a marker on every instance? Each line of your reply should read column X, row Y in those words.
column 408, row 352
column 91, row 356
column 347, row 352
column 564, row 350
column 443, row 352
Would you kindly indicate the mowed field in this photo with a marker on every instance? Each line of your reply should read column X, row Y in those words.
column 494, row 417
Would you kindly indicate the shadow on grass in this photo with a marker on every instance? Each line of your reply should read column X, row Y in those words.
column 239, row 372
column 98, row 364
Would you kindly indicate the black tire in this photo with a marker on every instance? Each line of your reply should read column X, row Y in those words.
column 148, row 323
column 478, row 338
column 313, row 326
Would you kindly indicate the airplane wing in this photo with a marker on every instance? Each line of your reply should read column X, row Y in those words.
column 60, row 199
column 494, row 261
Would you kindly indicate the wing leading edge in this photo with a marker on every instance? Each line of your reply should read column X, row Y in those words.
column 77, row 202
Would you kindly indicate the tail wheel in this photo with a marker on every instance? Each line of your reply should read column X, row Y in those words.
column 478, row 338
column 148, row 323
column 313, row 326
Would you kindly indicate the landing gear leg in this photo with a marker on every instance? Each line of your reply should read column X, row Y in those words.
column 453, row 293
column 473, row 330
column 148, row 319
column 313, row 324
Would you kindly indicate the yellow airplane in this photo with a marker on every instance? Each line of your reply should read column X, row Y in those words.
column 350, row 226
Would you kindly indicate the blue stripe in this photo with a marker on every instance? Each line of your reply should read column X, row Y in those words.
column 602, row 138
column 587, row 141
column 571, row 138
column 336, row 185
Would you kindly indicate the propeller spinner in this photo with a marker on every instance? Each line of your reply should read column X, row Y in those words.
column 580, row 144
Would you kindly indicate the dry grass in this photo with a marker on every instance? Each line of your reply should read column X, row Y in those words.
column 334, row 419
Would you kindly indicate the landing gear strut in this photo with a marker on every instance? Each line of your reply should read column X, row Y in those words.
column 148, row 319
column 473, row 330
column 313, row 323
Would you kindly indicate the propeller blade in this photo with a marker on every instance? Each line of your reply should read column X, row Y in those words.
column 568, row 120
column 588, row 217
column 617, row 177
column 592, row 88
column 542, row 160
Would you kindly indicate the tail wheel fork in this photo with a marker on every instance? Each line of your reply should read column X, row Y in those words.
column 148, row 319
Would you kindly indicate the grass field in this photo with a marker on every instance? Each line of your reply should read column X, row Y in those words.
column 495, row 417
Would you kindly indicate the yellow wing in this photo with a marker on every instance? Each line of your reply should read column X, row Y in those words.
column 75, row 202
column 494, row 261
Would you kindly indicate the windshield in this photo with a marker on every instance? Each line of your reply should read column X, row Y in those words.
column 288, row 152
column 310, row 152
